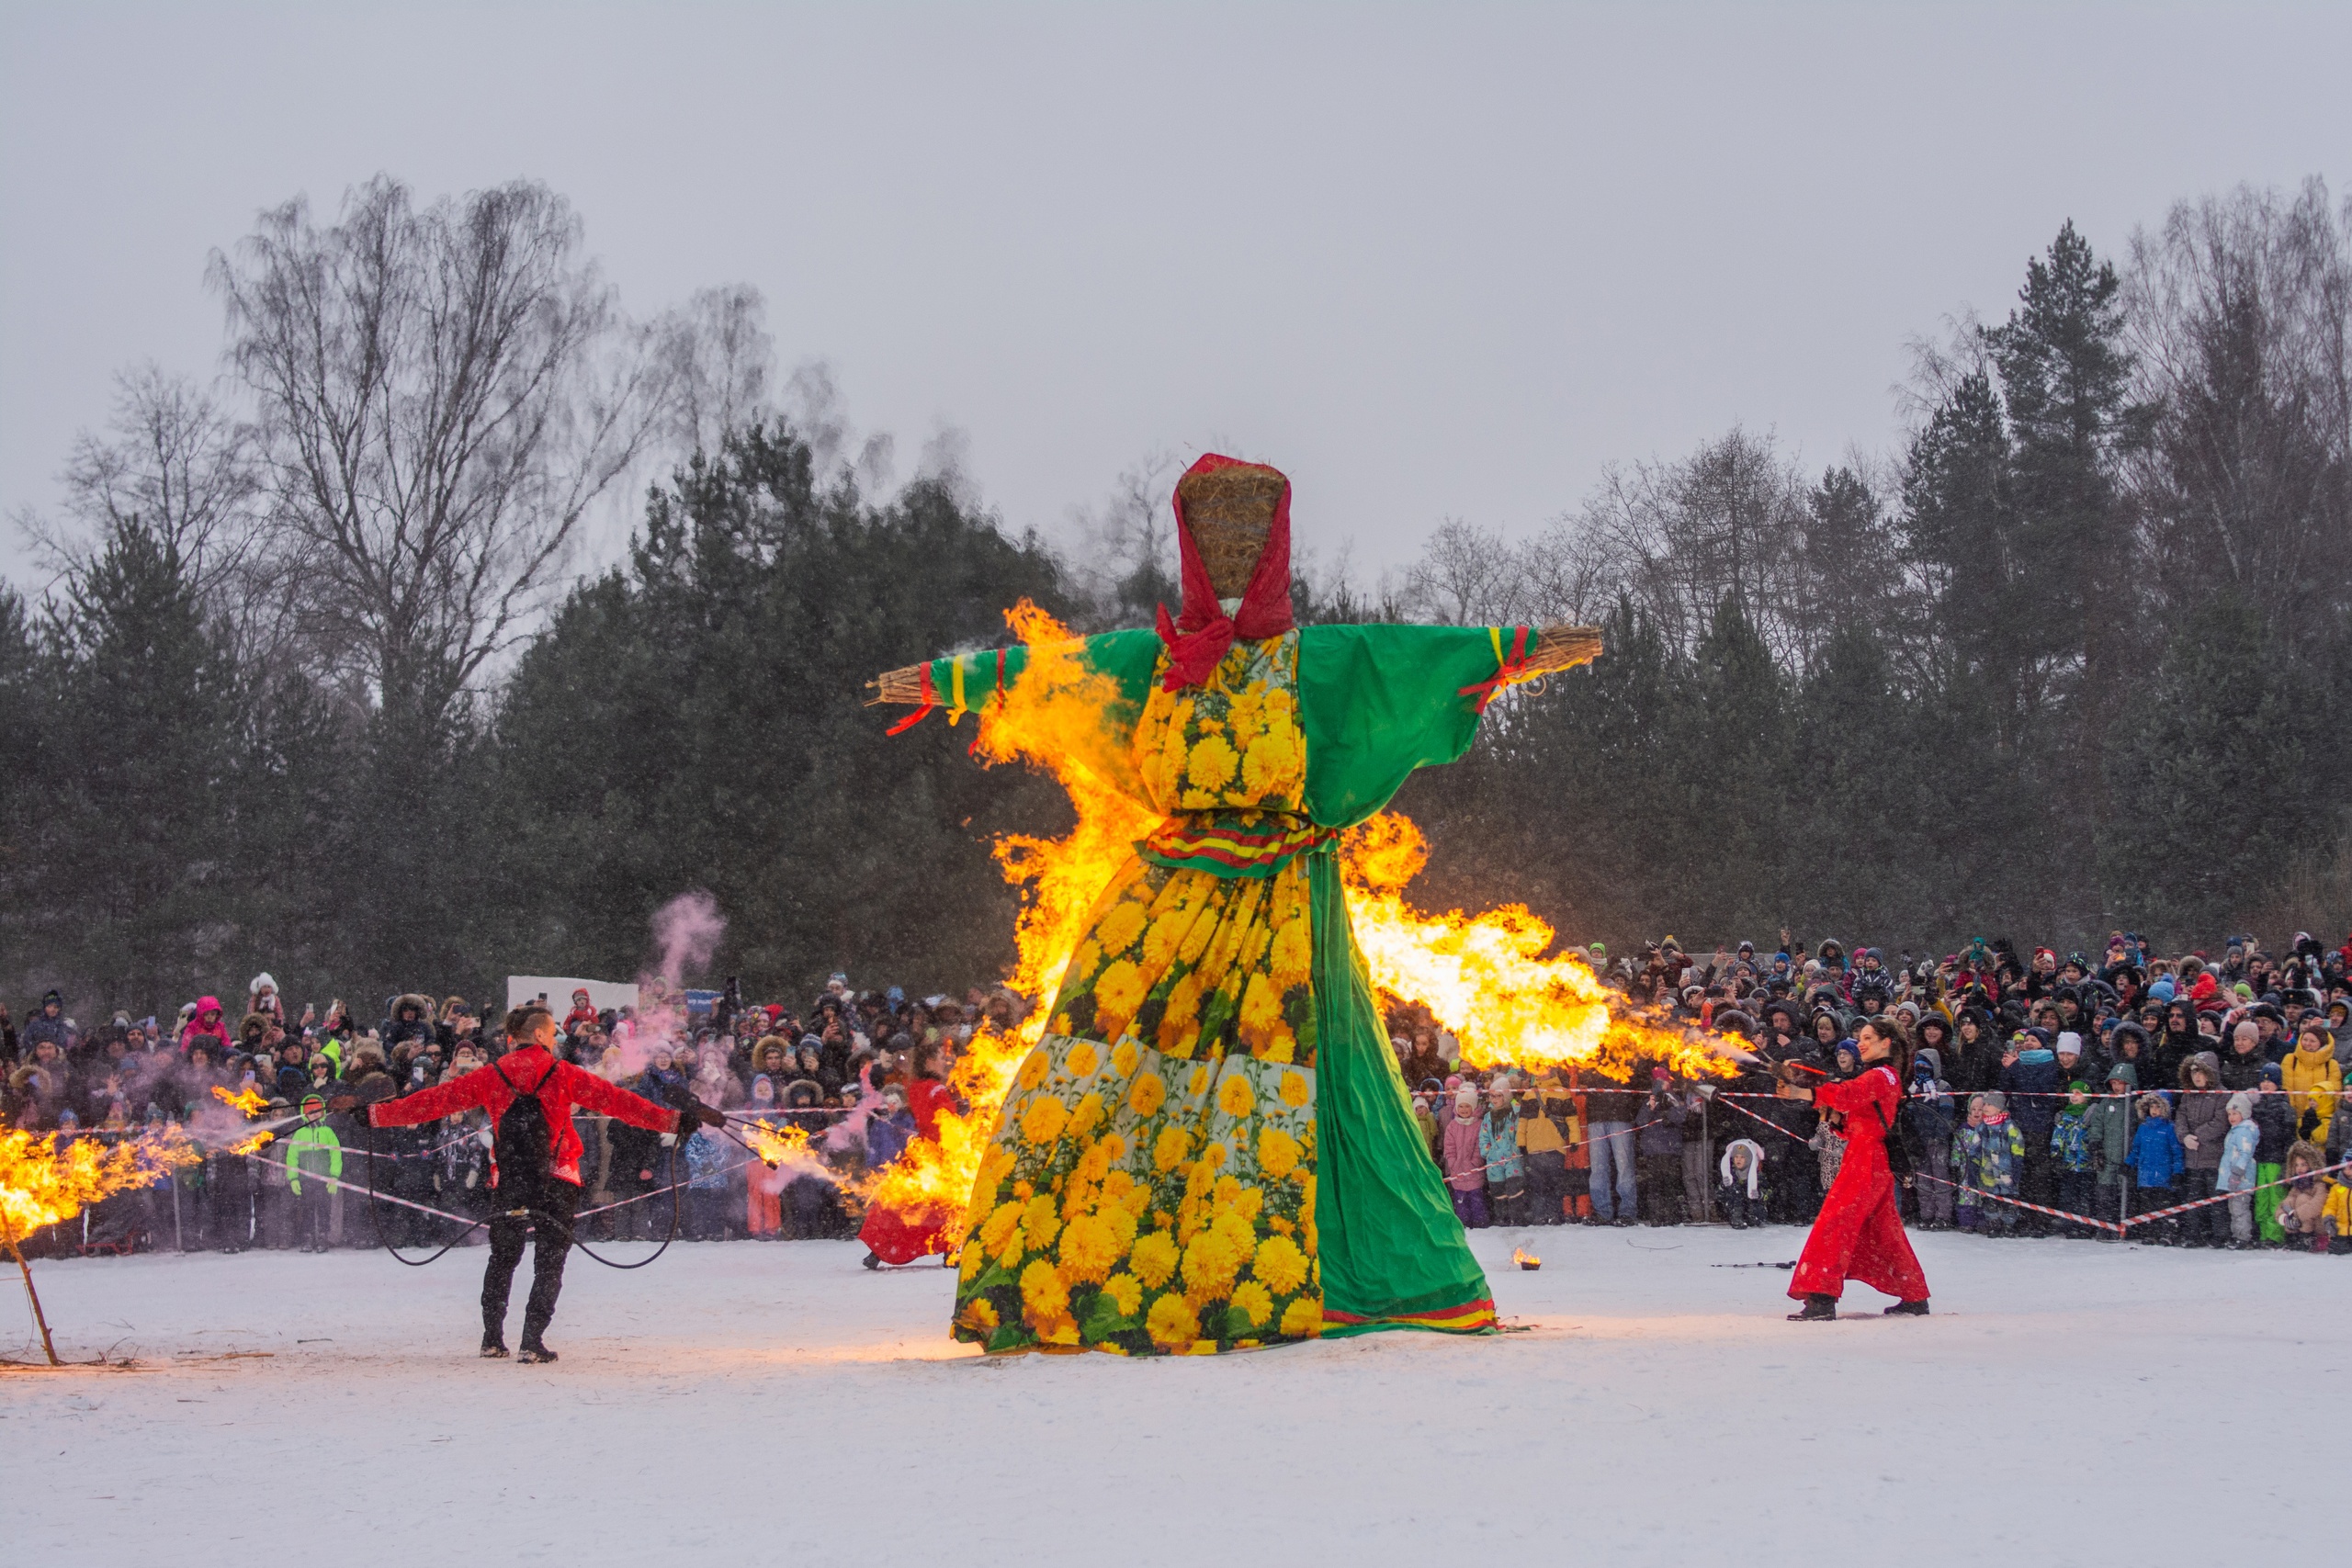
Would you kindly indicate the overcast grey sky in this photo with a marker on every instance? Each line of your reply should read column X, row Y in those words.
column 1432, row 261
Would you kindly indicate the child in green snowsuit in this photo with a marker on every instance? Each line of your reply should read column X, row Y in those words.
column 314, row 1147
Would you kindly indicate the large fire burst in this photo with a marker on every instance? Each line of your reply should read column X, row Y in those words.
column 1487, row 977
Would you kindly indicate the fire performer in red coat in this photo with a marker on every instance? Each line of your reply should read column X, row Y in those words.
column 894, row 1236
column 1860, row 1232
column 533, row 1159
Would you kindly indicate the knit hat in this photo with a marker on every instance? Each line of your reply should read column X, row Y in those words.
column 2069, row 1044
column 2271, row 1074
column 2241, row 1103
column 1465, row 1098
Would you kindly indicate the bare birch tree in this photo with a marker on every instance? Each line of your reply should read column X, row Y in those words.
column 2240, row 314
column 442, row 394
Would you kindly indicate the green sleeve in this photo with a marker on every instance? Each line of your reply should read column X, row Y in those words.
column 1379, row 701
column 1129, row 659
column 334, row 1151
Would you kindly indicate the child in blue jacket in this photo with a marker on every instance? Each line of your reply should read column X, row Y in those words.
column 2157, row 1158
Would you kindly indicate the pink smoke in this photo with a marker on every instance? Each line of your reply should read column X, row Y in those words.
column 686, row 929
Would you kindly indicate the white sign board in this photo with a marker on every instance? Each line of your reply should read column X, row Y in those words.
column 557, row 989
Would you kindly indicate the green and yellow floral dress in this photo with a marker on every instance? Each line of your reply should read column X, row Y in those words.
column 1212, row 1148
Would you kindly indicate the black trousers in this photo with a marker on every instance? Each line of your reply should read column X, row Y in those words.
column 557, row 1198
column 314, row 1209
column 1548, row 1184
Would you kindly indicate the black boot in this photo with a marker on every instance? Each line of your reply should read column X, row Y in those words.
column 494, row 1347
column 1907, row 1309
column 1817, row 1309
column 873, row 1260
column 534, row 1352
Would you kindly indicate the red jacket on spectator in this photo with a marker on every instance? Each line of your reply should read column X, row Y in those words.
column 559, row 1086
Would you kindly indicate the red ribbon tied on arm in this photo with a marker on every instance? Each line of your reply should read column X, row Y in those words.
column 930, row 701
column 1512, row 668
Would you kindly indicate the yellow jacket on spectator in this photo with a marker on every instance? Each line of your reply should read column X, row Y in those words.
column 2312, row 1081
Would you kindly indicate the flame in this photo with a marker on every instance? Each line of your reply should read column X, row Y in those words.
column 250, row 1101
column 1486, row 979
column 41, row 1184
column 1524, row 1258
column 1053, row 720
column 1483, row 977
column 776, row 1145
column 253, row 1144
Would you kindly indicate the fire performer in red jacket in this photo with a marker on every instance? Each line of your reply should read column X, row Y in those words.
column 533, row 1159
column 1860, row 1232
column 892, row 1235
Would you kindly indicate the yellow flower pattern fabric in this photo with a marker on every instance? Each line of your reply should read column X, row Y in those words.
column 1233, row 742
column 1150, row 1188
column 1170, row 1212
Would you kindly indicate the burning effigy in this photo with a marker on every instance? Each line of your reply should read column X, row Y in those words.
column 1203, row 1143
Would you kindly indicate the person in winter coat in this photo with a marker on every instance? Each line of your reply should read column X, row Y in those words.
column 1860, row 1232
column 1610, row 1111
column 1928, row 1121
column 2236, row 1173
column 1657, row 1151
column 2274, row 1125
column 1499, row 1148
column 534, row 1158
column 1546, row 1128
column 411, row 1019
column 888, row 1129
column 206, row 1026
column 315, row 1151
column 2241, row 1064
column 2071, row 1154
column 891, row 1235
column 2201, row 1118
column 261, row 996
column 2313, row 1210
column 1989, row 1151
column 2032, row 1086
column 1740, row 1171
column 2109, row 1123
column 2313, row 1080
column 2157, row 1160
column 2179, row 1040
column 584, row 1015
column 1460, row 1160
column 1978, row 1067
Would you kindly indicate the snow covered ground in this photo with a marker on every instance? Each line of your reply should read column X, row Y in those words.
column 2071, row 1403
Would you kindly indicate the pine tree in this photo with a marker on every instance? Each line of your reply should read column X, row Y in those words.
column 136, row 872
column 2217, row 774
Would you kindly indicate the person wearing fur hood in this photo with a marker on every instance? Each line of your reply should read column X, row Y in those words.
column 2201, row 1118
column 261, row 996
column 411, row 1019
column 1739, row 1172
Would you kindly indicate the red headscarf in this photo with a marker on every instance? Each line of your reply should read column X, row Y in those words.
column 1198, row 638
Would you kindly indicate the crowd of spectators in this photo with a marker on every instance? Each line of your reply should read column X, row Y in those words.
column 836, row 1071
column 2103, row 1088
column 2098, row 1088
